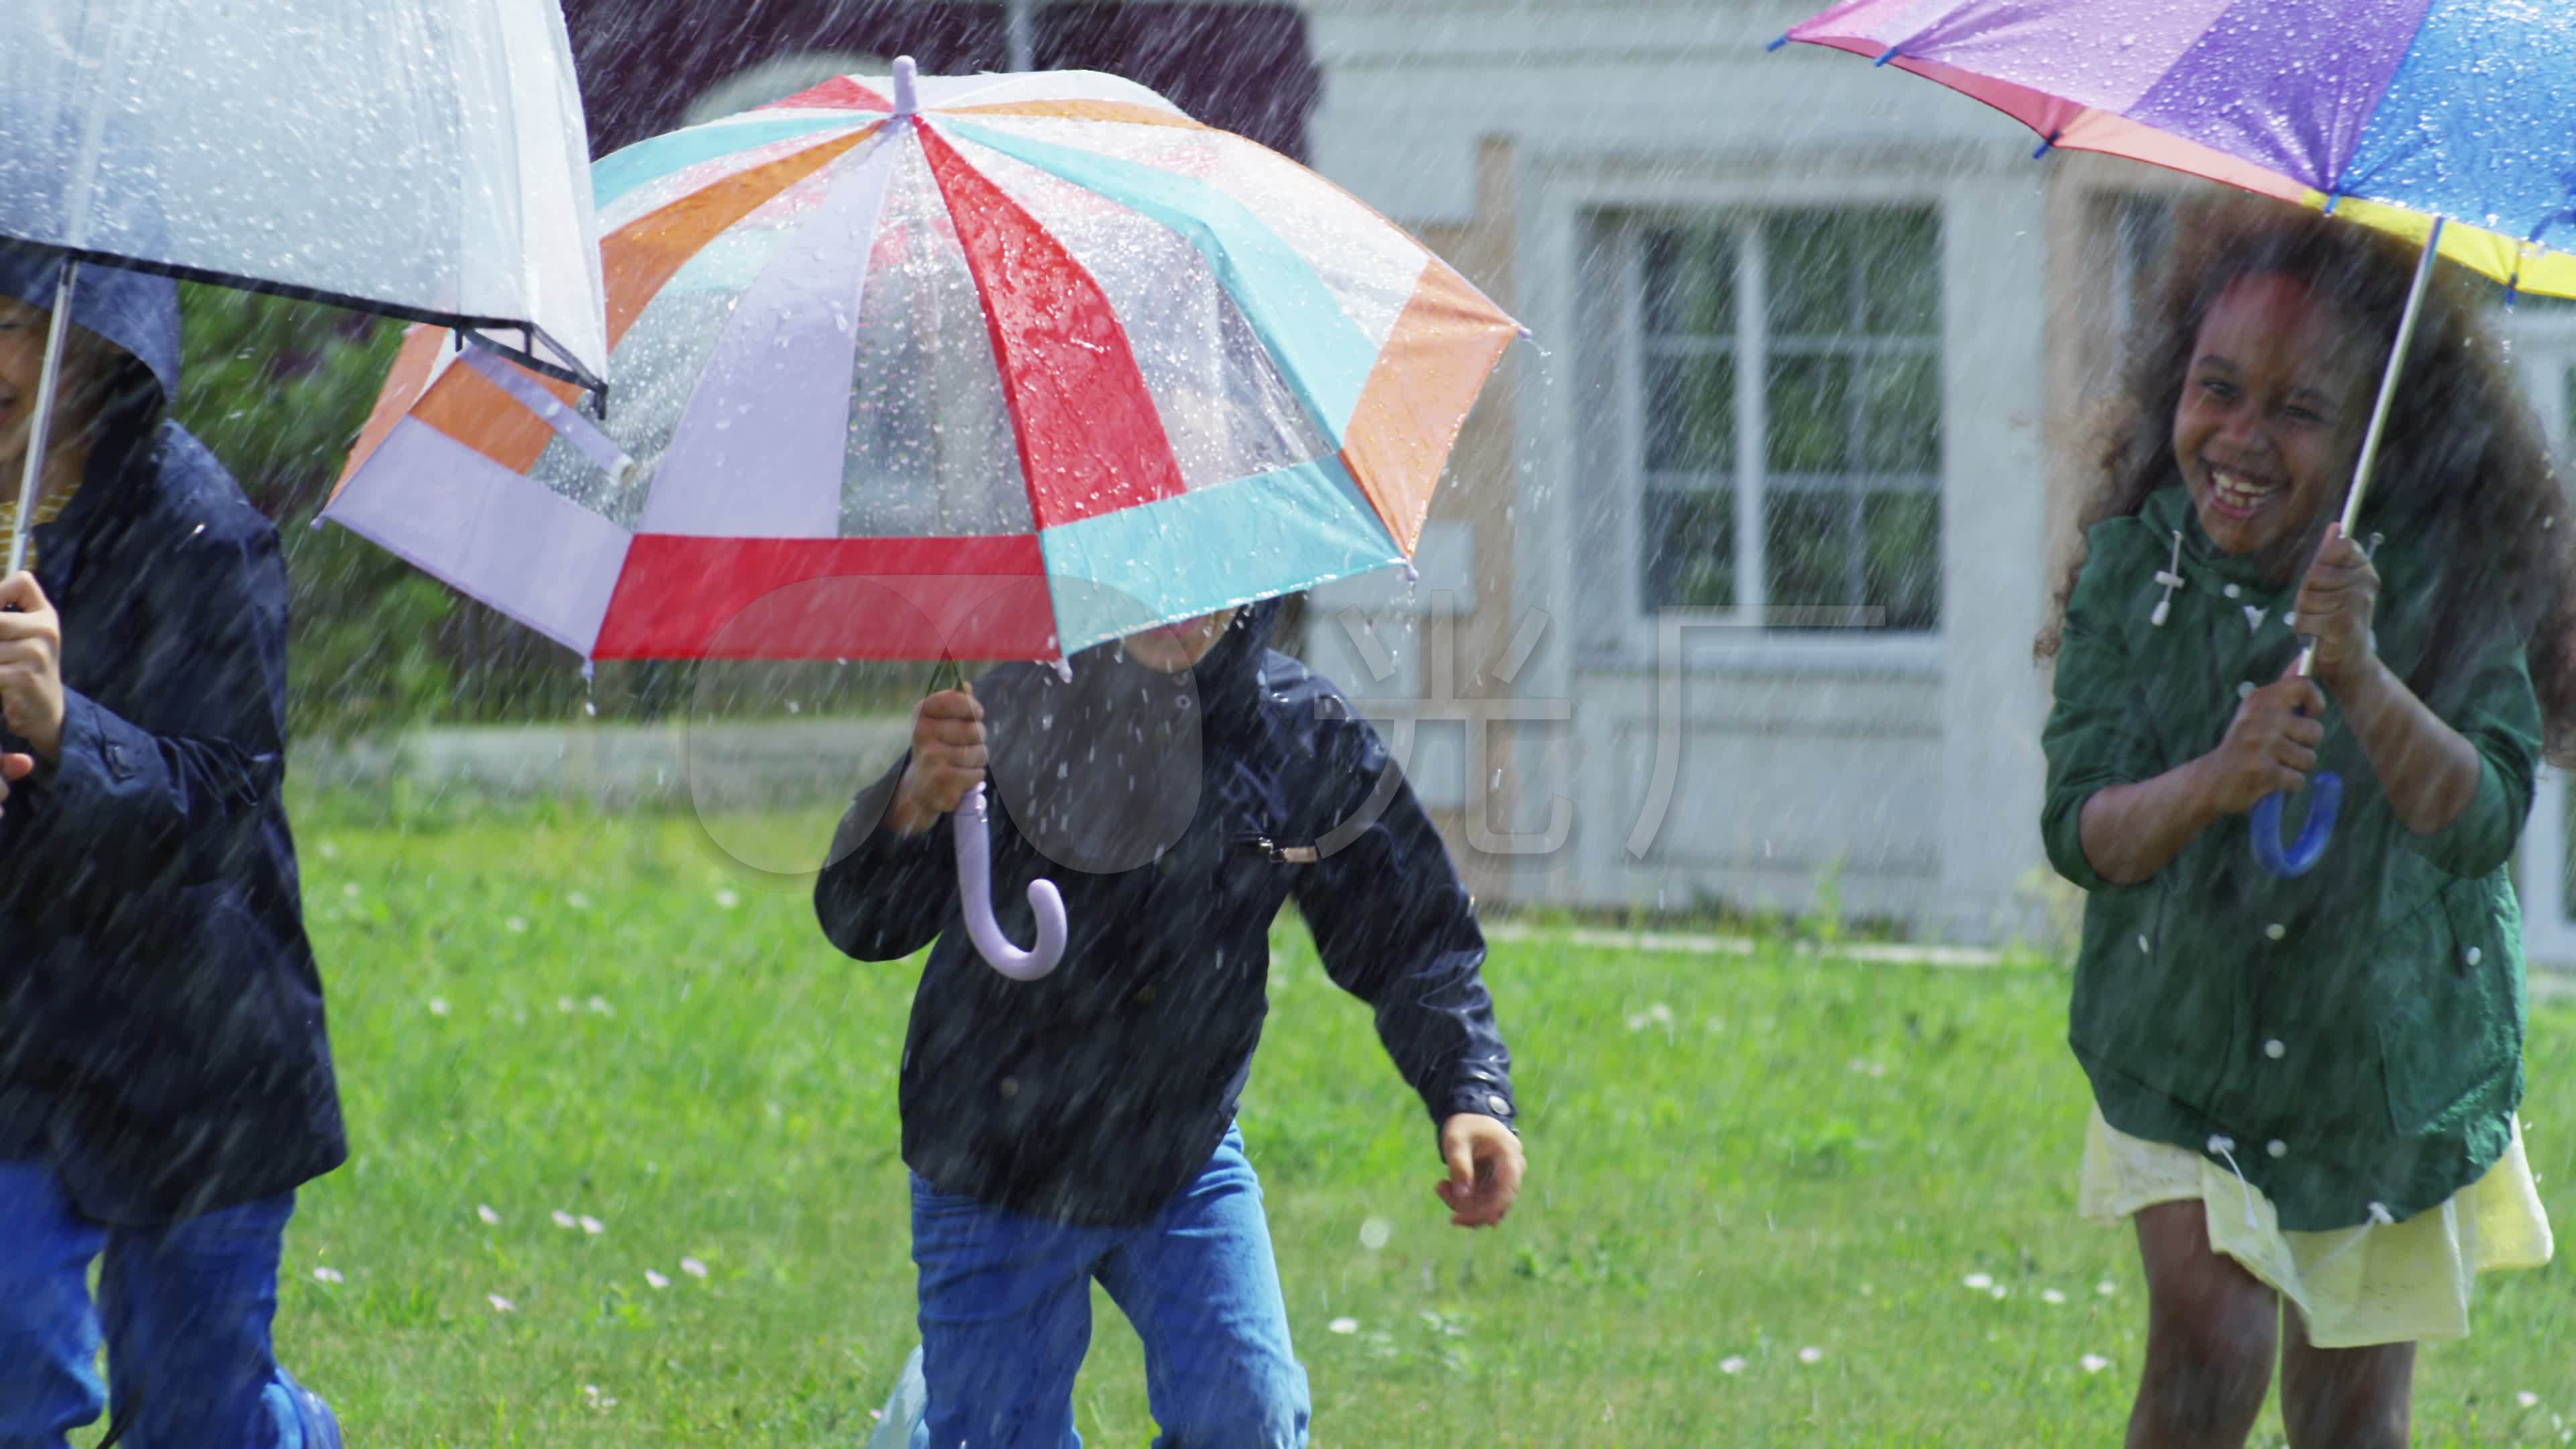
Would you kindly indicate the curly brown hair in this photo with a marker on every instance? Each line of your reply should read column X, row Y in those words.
column 2463, row 462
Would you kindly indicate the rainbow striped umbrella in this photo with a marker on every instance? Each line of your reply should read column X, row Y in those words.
column 994, row 367
column 2392, row 113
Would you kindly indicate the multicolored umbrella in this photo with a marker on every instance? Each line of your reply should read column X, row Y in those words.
column 2391, row 113
column 994, row 367
column 2449, row 122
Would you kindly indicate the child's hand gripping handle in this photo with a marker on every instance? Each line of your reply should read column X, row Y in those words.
column 975, row 896
column 2310, row 847
column 2325, row 794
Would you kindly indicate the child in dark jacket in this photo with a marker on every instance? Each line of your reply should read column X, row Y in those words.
column 1182, row 786
column 165, row 1082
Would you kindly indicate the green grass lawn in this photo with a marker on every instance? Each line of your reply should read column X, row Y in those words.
column 1732, row 1162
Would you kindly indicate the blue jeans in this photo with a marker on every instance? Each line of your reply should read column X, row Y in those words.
column 186, row 1310
column 1006, row 1318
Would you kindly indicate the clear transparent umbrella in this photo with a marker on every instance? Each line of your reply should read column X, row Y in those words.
column 423, row 159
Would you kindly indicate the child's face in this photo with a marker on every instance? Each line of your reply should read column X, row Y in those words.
column 1175, row 647
column 22, row 360
column 2271, row 415
column 22, row 368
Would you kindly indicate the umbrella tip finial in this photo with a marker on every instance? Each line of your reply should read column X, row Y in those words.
column 906, row 100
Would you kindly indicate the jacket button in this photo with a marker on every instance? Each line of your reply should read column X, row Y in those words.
column 1010, row 1086
column 2145, row 949
column 1499, row 1107
column 2274, row 1049
column 2472, row 955
column 2277, row 1147
column 1145, row 997
column 2245, row 689
column 2231, row 591
column 2276, row 930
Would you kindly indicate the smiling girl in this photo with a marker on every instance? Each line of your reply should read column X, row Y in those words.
column 2305, row 1089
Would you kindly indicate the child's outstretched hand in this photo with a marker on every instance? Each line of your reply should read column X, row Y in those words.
column 947, row 760
column 1485, row 1166
column 2270, row 746
column 2335, row 605
column 31, row 665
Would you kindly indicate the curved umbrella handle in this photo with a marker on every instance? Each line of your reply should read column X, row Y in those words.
column 975, row 894
column 2301, row 856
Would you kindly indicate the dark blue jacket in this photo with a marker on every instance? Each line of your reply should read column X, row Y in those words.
column 161, row 1032
column 1094, row 1094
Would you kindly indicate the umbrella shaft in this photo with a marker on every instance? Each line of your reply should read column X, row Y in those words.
column 46, row 385
column 2387, row 395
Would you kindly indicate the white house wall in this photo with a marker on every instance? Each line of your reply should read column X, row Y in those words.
column 1907, row 765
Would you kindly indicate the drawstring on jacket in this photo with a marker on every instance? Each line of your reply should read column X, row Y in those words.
column 2171, row 577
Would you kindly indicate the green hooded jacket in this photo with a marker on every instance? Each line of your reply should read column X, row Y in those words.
column 2348, row 1039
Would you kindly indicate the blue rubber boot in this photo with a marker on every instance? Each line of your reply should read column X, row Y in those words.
column 305, row 1413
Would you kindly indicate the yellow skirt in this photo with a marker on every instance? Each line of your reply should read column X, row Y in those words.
column 2378, row 1283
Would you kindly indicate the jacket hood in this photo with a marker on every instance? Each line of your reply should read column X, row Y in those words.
column 138, row 312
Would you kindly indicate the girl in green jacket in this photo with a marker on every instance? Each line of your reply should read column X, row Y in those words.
column 2305, row 1088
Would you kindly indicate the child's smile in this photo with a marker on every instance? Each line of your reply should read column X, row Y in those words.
column 2270, row 417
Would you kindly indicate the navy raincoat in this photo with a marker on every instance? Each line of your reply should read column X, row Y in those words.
column 161, row 1032
column 1094, row 1094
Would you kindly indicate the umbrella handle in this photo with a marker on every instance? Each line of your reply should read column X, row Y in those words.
column 2301, row 855
column 975, row 896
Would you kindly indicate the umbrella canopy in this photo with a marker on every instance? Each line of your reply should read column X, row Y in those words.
column 2388, row 112
column 418, row 158
column 991, row 367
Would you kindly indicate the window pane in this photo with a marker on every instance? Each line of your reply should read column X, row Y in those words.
column 1901, row 565
column 1898, row 272
column 1900, row 418
column 1690, row 413
column 1808, row 259
column 1689, row 282
column 1808, row 541
column 1690, row 549
column 1872, row 271
column 1811, row 424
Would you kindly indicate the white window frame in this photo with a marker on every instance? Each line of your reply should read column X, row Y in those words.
column 2544, row 351
column 1618, row 633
